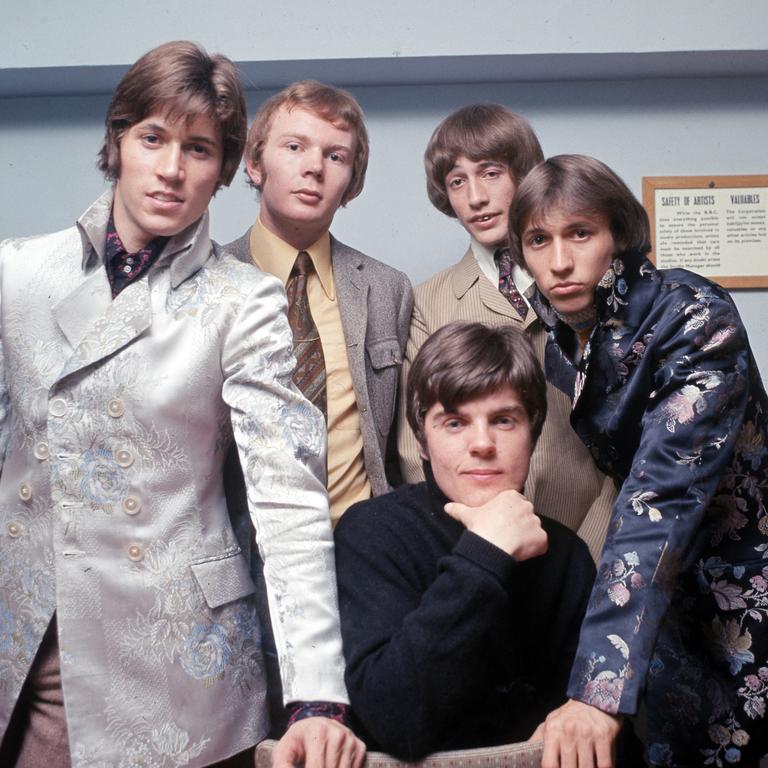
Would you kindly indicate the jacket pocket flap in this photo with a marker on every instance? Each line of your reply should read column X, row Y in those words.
column 224, row 579
column 384, row 353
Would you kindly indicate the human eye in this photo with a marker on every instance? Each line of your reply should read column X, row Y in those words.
column 453, row 423
column 536, row 239
column 506, row 421
column 492, row 173
column 455, row 182
column 200, row 150
column 150, row 139
column 337, row 157
column 581, row 233
column 293, row 146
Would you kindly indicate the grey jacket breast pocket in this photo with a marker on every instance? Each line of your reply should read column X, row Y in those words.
column 385, row 358
column 223, row 579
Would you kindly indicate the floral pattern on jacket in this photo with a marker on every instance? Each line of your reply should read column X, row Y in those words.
column 668, row 398
column 115, row 417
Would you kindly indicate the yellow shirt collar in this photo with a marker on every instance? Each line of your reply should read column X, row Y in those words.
column 277, row 257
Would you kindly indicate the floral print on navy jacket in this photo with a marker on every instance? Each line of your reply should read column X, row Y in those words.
column 668, row 398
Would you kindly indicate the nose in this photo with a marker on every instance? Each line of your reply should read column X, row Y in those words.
column 477, row 193
column 481, row 442
column 313, row 161
column 561, row 260
column 172, row 163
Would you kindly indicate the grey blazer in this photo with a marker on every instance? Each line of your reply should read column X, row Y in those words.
column 375, row 301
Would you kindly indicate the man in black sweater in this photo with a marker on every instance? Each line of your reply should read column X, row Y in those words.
column 460, row 608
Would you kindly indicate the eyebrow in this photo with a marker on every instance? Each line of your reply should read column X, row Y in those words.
column 204, row 140
column 571, row 225
column 489, row 163
column 511, row 408
column 310, row 140
column 483, row 164
column 515, row 408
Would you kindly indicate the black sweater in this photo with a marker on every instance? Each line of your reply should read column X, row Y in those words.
column 450, row 643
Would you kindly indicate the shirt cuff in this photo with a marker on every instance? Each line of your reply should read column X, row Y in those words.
column 300, row 710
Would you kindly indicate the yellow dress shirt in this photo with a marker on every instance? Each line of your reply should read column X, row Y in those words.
column 347, row 479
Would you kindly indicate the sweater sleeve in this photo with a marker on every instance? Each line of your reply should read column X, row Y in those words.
column 413, row 641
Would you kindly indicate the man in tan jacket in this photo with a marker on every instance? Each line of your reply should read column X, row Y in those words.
column 474, row 162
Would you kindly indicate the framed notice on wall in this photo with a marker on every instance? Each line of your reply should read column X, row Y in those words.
column 714, row 225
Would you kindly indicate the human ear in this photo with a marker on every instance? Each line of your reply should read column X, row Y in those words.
column 253, row 168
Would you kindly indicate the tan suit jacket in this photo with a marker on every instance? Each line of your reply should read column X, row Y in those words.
column 563, row 482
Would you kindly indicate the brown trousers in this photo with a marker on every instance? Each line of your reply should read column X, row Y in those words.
column 37, row 733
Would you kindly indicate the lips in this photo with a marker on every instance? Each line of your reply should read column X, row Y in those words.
column 308, row 195
column 485, row 219
column 482, row 473
column 165, row 197
column 565, row 289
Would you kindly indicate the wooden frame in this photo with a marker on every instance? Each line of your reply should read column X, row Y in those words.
column 714, row 225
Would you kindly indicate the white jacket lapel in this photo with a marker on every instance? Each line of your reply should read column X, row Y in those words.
column 95, row 325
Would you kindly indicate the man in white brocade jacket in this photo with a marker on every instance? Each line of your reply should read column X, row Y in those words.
column 133, row 352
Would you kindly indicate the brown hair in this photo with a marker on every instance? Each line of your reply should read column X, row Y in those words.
column 335, row 105
column 480, row 132
column 463, row 361
column 180, row 79
column 579, row 184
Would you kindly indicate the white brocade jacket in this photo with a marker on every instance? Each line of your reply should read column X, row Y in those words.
column 115, row 418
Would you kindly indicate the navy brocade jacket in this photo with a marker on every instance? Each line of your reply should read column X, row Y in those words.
column 668, row 398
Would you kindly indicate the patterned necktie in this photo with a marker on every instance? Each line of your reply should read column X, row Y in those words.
column 309, row 375
column 506, row 284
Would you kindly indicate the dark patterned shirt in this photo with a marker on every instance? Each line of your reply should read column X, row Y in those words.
column 302, row 709
column 123, row 267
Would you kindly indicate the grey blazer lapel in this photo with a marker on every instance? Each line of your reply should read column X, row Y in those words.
column 241, row 248
column 352, row 288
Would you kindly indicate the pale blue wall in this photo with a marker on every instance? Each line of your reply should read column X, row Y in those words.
column 692, row 98
column 42, row 33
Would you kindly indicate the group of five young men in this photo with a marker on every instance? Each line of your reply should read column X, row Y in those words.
column 136, row 351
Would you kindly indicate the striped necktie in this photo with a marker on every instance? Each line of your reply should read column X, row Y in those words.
column 309, row 375
column 507, row 284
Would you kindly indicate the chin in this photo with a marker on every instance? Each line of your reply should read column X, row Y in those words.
column 568, row 308
column 490, row 239
column 480, row 497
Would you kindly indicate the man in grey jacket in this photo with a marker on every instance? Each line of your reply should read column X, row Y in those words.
column 306, row 154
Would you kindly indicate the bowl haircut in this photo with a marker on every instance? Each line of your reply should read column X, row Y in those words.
column 579, row 184
column 479, row 132
column 180, row 80
column 464, row 361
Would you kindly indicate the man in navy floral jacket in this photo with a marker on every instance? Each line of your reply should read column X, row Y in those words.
column 668, row 397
